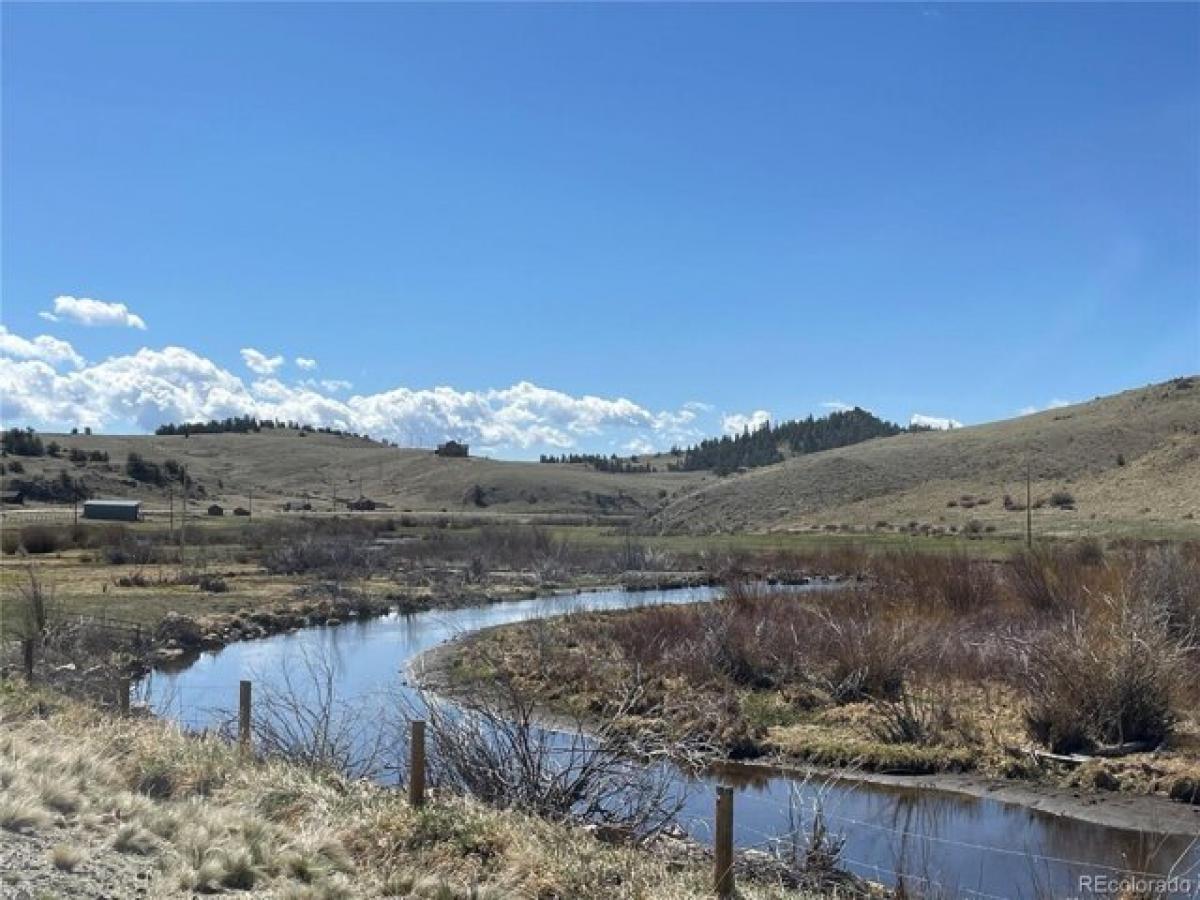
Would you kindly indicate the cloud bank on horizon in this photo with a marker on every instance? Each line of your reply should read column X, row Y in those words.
column 938, row 423
column 46, row 383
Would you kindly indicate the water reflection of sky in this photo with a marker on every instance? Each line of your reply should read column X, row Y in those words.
column 942, row 842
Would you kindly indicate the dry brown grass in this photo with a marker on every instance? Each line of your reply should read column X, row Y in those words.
column 211, row 821
column 280, row 466
column 912, row 477
column 938, row 662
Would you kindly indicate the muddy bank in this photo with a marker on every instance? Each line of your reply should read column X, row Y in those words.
column 1136, row 812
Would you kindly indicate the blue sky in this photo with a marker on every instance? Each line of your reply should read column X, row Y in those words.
column 953, row 210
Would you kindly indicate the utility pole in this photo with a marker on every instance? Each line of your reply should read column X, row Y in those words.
column 171, row 505
column 250, row 504
column 183, row 525
column 1028, row 502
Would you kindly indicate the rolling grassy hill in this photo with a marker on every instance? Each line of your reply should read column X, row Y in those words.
column 279, row 466
column 1130, row 462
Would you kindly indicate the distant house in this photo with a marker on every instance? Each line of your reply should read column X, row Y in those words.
column 119, row 510
column 12, row 496
column 452, row 448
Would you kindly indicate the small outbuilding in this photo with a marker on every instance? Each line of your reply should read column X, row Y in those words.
column 113, row 510
column 452, row 448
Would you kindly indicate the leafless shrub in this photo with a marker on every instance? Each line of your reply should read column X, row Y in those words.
column 1089, row 551
column 632, row 556
column 42, row 539
column 810, row 852
column 954, row 582
column 747, row 594
column 133, row 579
column 10, row 541
column 334, row 557
column 129, row 549
column 1046, row 580
column 1166, row 575
column 213, row 584
column 849, row 644
column 731, row 642
column 493, row 748
column 868, row 653
column 34, row 612
column 1062, row 499
column 1113, row 677
column 299, row 715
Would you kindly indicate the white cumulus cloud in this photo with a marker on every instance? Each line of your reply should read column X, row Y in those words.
column 175, row 384
column 44, row 347
column 86, row 311
column 1056, row 403
column 306, row 363
column 736, row 423
column 329, row 385
column 939, row 423
column 259, row 363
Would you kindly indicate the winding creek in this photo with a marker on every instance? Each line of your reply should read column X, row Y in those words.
column 943, row 841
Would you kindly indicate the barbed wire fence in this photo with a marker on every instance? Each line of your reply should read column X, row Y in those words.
column 813, row 827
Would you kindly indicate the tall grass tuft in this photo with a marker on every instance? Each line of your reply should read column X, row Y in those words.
column 1112, row 677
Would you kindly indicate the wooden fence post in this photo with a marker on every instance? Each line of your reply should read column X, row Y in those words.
column 723, row 844
column 244, row 717
column 27, row 653
column 123, row 696
column 416, row 768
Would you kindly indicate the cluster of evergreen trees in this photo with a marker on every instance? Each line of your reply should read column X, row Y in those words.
column 247, row 424
column 612, row 463
column 141, row 469
column 766, row 444
column 22, row 442
column 82, row 457
column 63, row 489
column 232, row 424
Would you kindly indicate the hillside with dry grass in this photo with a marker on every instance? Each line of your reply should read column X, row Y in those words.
column 1124, row 464
column 1128, row 463
column 324, row 470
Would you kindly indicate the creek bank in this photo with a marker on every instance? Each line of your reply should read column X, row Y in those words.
column 1161, row 802
column 178, row 637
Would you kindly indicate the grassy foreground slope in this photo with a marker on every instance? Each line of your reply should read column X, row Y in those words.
column 282, row 465
column 1129, row 462
column 98, row 806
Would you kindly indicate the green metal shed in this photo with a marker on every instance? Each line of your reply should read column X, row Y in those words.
column 119, row 510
